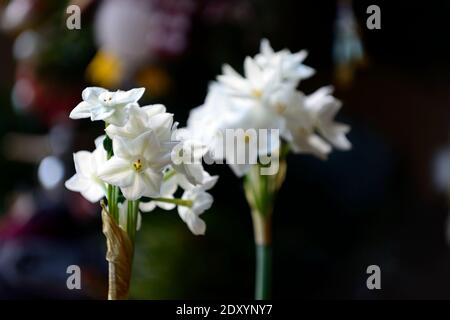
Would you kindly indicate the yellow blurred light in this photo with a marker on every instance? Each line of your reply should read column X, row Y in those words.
column 105, row 70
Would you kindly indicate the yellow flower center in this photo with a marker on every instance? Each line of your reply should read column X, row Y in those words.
column 256, row 93
column 137, row 165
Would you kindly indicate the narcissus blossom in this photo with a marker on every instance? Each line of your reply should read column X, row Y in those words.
column 290, row 64
column 101, row 104
column 86, row 179
column 194, row 202
column 143, row 155
column 136, row 166
column 266, row 97
column 201, row 201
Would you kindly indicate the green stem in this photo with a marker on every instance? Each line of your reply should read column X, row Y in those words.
column 132, row 216
column 178, row 202
column 263, row 248
column 263, row 275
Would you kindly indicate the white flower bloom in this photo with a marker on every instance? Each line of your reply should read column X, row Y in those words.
column 170, row 185
column 123, row 216
column 201, row 201
column 220, row 111
column 323, row 108
column 136, row 166
column 266, row 98
column 258, row 84
column 101, row 104
column 152, row 117
column 292, row 68
column 207, row 181
column 187, row 159
column 168, row 188
column 299, row 131
column 86, row 179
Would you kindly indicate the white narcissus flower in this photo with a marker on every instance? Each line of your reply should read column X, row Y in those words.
column 292, row 68
column 86, row 179
column 187, row 159
column 101, row 104
column 323, row 108
column 168, row 188
column 266, row 98
column 141, row 119
column 136, row 166
column 258, row 83
column 299, row 131
column 170, row 184
column 201, row 201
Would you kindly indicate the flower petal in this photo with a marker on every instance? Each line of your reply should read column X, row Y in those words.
column 91, row 94
column 117, row 171
column 130, row 96
column 82, row 110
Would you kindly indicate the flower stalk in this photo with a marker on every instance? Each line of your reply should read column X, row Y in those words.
column 262, row 226
column 260, row 191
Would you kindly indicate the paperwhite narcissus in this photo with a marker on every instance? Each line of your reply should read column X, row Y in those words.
column 291, row 64
column 201, row 201
column 136, row 166
column 266, row 97
column 101, row 104
column 173, row 180
column 87, row 165
column 86, row 179
column 142, row 119
column 140, row 161
column 323, row 108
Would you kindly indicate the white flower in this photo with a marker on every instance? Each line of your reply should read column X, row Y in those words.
column 86, row 179
column 168, row 188
column 201, row 201
column 187, row 159
column 291, row 65
column 136, row 166
column 209, row 122
column 197, row 197
column 101, row 104
column 299, row 131
column 142, row 119
column 266, row 97
column 170, row 184
column 323, row 108
column 258, row 84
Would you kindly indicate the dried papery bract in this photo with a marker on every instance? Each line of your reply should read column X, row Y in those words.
column 119, row 255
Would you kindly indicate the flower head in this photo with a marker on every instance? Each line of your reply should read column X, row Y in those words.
column 266, row 97
column 201, row 201
column 86, row 179
column 101, row 104
column 291, row 64
column 136, row 166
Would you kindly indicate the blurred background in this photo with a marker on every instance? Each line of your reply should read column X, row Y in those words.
column 384, row 203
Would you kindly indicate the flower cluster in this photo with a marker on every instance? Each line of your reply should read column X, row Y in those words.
column 267, row 97
column 134, row 160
